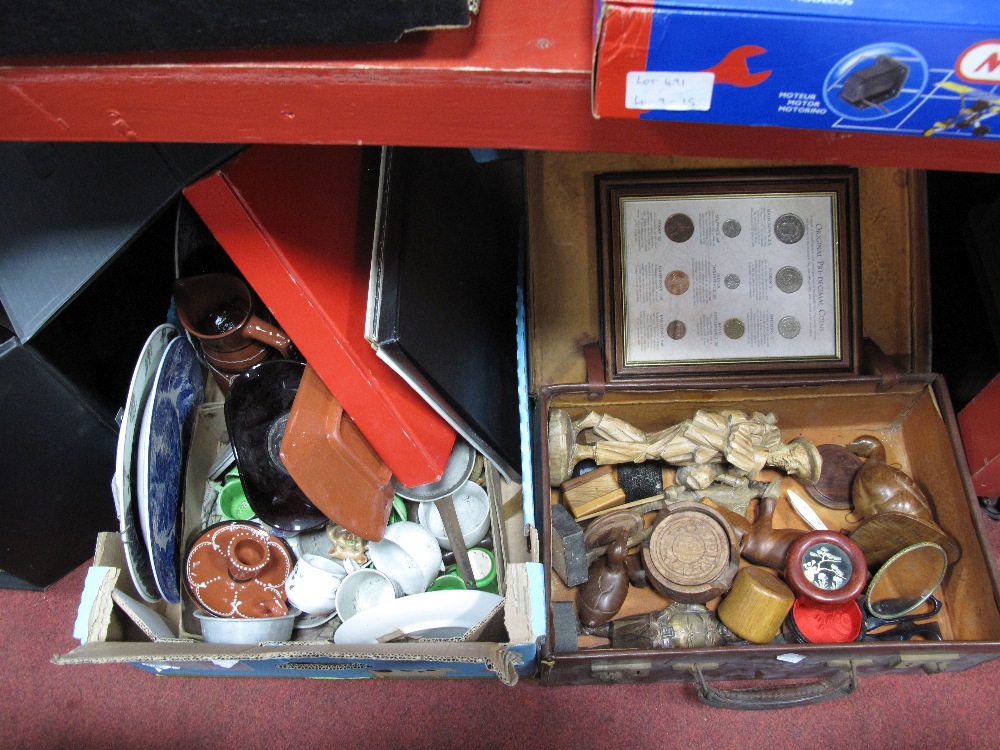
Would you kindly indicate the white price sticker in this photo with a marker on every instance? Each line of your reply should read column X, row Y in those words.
column 676, row 92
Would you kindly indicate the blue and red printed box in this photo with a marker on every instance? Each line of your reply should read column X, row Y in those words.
column 924, row 67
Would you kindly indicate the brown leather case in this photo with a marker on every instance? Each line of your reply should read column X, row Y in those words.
column 908, row 408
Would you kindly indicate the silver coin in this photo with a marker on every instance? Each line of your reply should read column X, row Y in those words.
column 731, row 228
column 734, row 328
column 731, row 281
column 789, row 228
column 789, row 327
column 676, row 329
column 788, row 279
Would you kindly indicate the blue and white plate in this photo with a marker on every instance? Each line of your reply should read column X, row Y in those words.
column 123, row 484
column 178, row 388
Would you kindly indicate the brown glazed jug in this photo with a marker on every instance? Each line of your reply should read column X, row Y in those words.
column 217, row 310
column 879, row 487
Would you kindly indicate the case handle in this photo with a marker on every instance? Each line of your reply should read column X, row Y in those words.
column 779, row 696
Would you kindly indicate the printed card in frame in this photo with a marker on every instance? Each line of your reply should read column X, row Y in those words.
column 728, row 273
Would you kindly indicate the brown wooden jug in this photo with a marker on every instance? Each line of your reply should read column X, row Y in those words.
column 760, row 543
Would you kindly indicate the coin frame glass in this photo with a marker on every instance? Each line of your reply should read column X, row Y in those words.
column 804, row 218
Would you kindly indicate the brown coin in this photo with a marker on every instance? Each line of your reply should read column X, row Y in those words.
column 734, row 328
column 679, row 227
column 677, row 282
column 676, row 329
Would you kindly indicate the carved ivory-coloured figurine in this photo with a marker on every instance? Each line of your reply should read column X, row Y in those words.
column 747, row 442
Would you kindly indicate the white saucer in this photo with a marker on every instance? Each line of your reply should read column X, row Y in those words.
column 433, row 614
column 123, row 483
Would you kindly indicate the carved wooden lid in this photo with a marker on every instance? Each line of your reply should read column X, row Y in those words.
column 692, row 554
column 826, row 567
column 834, row 486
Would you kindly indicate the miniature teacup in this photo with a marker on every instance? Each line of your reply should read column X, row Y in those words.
column 363, row 589
column 472, row 506
column 233, row 503
column 419, row 544
column 313, row 584
column 391, row 559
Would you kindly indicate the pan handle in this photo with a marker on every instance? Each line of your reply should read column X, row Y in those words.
column 839, row 685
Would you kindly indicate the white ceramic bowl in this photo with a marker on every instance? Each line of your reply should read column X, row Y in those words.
column 420, row 544
column 472, row 506
column 398, row 564
column 363, row 589
column 247, row 631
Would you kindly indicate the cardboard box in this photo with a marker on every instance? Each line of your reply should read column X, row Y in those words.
column 923, row 68
column 114, row 626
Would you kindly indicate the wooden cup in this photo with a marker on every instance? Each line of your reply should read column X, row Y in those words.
column 756, row 605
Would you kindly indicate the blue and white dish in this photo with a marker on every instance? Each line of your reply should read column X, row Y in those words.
column 178, row 388
column 123, row 484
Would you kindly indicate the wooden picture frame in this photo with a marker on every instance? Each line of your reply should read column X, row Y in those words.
column 729, row 273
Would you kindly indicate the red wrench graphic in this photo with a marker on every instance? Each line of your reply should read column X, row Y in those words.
column 733, row 68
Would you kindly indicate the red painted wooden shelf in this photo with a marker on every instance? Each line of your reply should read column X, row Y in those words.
column 518, row 78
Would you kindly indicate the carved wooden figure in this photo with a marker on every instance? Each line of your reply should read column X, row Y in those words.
column 879, row 487
column 747, row 442
column 600, row 598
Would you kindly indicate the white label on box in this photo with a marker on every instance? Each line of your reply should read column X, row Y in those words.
column 790, row 658
column 664, row 90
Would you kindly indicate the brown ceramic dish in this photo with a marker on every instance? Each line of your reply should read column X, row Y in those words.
column 238, row 570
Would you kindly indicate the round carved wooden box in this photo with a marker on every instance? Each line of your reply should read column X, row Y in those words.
column 692, row 554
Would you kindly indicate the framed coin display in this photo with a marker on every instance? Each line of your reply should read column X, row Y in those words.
column 725, row 272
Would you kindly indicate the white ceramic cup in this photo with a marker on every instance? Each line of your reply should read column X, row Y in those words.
column 313, row 584
column 363, row 589
column 472, row 506
column 420, row 544
column 399, row 565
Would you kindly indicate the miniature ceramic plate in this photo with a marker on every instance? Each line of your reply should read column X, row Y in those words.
column 123, row 484
column 178, row 388
column 433, row 614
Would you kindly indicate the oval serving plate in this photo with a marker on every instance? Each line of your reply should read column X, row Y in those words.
column 433, row 614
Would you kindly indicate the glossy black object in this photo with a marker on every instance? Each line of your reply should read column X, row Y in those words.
column 256, row 413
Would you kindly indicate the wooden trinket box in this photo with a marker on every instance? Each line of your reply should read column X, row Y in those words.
column 905, row 406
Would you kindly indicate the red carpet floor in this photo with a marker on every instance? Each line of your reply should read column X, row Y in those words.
column 48, row 706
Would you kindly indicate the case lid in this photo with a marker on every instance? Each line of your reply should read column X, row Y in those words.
column 564, row 259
